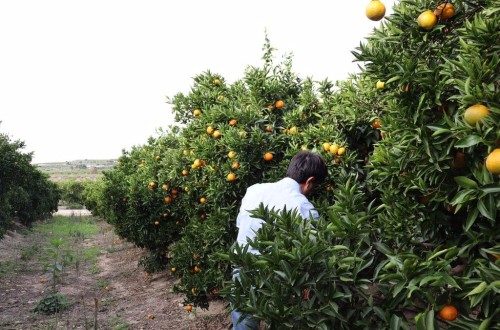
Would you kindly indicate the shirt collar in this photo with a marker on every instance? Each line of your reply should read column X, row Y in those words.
column 292, row 183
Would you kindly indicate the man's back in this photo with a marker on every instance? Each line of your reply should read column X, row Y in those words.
column 277, row 195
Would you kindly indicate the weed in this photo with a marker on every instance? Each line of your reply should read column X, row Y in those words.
column 118, row 324
column 102, row 283
column 28, row 252
column 6, row 267
column 94, row 269
column 52, row 303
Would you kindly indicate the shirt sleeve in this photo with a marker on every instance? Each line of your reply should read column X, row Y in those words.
column 308, row 212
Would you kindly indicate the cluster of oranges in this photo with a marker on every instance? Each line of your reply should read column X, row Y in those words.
column 375, row 11
column 428, row 19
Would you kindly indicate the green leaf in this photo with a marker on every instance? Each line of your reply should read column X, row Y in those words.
column 465, row 182
column 395, row 322
column 485, row 211
column 468, row 141
column 429, row 320
column 478, row 289
column 491, row 188
column 471, row 218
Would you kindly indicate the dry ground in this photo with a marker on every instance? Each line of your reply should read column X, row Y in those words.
column 131, row 297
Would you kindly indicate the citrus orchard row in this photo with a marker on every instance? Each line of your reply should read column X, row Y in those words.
column 408, row 232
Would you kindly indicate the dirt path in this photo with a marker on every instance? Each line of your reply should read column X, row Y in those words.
column 130, row 297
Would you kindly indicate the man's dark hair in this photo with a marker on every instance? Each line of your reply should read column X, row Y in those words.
column 306, row 164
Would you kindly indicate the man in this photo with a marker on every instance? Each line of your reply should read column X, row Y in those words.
column 306, row 171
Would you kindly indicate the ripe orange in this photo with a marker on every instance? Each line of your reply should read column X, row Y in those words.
column 445, row 11
column 326, row 146
column 203, row 200
column 188, row 308
column 268, row 129
column 493, row 162
column 168, row 199
column 210, row 130
column 293, row 130
column 233, row 122
column 197, row 268
column 157, row 158
column 376, row 124
column 175, row 191
column 427, row 20
column 217, row 82
column 448, row 313
column 279, row 104
column 375, row 10
column 268, row 156
column 341, row 151
column 475, row 114
column 173, row 269
column 164, row 186
column 217, row 134
column 197, row 112
column 235, row 166
column 197, row 163
column 231, row 154
column 231, row 177
column 334, row 148
column 380, row 85
column 185, row 172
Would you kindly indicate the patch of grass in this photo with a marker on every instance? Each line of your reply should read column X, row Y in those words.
column 61, row 226
column 118, row 324
column 94, row 269
column 52, row 303
column 91, row 254
column 7, row 267
column 102, row 283
column 28, row 252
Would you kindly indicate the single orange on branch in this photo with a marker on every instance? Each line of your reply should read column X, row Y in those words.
column 475, row 114
column 448, row 313
column 268, row 156
column 280, row 104
column 375, row 10
column 427, row 20
column 445, row 11
column 493, row 162
column 376, row 124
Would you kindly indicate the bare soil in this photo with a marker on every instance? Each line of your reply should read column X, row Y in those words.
column 132, row 294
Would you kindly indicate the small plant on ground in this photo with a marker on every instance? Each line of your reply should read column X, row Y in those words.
column 52, row 303
column 57, row 258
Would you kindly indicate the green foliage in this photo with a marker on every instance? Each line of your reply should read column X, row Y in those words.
column 72, row 191
column 51, row 304
column 25, row 192
column 409, row 212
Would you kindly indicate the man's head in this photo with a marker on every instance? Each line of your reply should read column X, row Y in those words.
column 308, row 169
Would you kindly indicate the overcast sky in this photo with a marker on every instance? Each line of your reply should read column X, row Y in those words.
column 86, row 79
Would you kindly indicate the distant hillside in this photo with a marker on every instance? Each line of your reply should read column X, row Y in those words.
column 86, row 169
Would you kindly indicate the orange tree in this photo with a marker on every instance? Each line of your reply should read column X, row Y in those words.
column 26, row 193
column 408, row 213
column 423, row 235
column 440, row 203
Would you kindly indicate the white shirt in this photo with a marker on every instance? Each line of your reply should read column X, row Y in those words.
column 277, row 195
